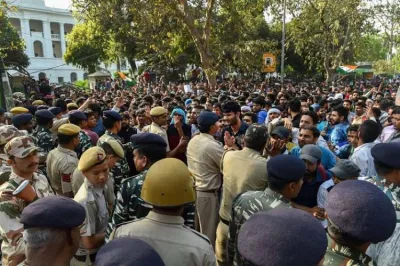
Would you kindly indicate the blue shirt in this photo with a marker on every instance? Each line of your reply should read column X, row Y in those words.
column 324, row 125
column 261, row 115
column 328, row 159
column 338, row 137
column 99, row 129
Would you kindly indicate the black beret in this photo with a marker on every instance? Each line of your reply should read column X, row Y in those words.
column 128, row 251
column 387, row 153
column 361, row 210
column 113, row 115
column 21, row 119
column 2, row 110
column 207, row 119
column 277, row 167
column 44, row 114
column 55, row 110
column 145, row 139
column 53, row 212
column 284, row 237
column 32, row 109
column 78, row 115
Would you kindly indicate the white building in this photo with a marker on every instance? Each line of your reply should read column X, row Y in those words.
column 44, row 30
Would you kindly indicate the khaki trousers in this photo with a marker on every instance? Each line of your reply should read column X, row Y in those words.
column 207, row 207
column 221, row 243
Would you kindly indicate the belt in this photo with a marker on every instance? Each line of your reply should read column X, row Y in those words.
column 82, row 258
column 226, row 222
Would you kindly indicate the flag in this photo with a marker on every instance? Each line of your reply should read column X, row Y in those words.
column 127, row 80
column 345, row 70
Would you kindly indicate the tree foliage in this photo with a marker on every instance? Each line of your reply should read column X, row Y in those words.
column 370, row 48
column 12, row 47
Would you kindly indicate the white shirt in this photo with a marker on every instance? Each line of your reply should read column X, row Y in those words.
column 363, row 158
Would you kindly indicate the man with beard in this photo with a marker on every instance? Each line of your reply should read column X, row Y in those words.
column 348, row 104
column 313, row 178
column 141, row 120
column 234, row 133
column 192, row 118
column 347, row 150
column 24, row 161
column 338, row 119
column 360, row 115
column 125, row 133
column 395, row 137
column 308, row 118
column 309, row 135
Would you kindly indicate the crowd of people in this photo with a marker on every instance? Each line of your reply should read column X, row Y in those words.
column 241, row 173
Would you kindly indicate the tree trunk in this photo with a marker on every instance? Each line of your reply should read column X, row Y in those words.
column 118, row 65
column 208, row 68
column 330, row 75
column 132, row 64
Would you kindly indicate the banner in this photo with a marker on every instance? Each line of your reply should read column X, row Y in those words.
column 368, row 75
column 269, row 63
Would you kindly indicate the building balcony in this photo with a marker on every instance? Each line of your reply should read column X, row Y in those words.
column 56, row 37
column 37, row 34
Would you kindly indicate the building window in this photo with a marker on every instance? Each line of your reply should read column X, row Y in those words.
column 60, row 79
column 38, row 48
column 74, row 77
column 85, row 76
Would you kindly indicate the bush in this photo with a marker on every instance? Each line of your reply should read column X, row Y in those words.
column 82, row 84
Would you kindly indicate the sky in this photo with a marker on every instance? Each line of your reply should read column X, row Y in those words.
column 64, row 4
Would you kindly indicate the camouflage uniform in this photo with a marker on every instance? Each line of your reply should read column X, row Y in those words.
column 387, row 252
column 337, row 254
column 5, row 169
column 84, row 143
column 121, row 169
column 245, row 205
column 44, row 141
column 13, row 246
column 129, row 206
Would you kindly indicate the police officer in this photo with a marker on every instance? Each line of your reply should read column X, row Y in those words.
column 42, row 135
column 7, row 133
column 284, row 184
column 51, row 227
column 119, row 252
column 19, row 110
column 159, row 117
column 282, row 236
column 62, row 161
column 204, row 157
column 94, row 167
column 366, row 216
column 78, row 118
column 112, row 122
column 168, row 187
column 114, row 153
column 242, row 170
column 23, row 159
column 148, row 148
column 387, row 167
column 37, row 102
column 23, row 122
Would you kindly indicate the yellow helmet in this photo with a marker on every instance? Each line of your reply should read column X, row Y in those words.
column 168, row 183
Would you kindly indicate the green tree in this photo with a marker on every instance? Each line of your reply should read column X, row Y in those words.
column 321, row 31
column 370, row 48
column 12, row 47
column 171, row 27
column 387, row 16
column 87, row 46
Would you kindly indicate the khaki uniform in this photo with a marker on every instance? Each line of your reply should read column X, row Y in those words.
column 78, row 178
column 204, row 156
column 13, row 245
column 243, row 171
column 156, row 129
column 175, row 243
column 61, row 163
column 93, row 200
